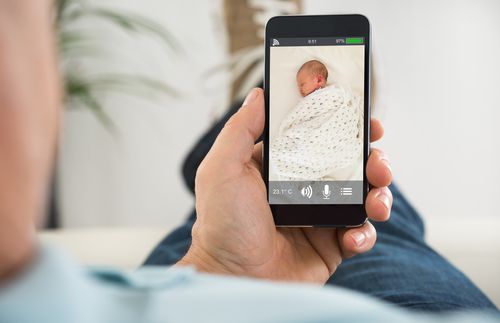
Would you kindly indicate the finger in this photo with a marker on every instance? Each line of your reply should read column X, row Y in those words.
column 257, row 152
column 376, row 130
column 357, row 240
column 378, row 169
column 236, row 140
column 379, row 204
column 257, row 156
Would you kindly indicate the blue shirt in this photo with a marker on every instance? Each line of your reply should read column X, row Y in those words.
column 56, row 289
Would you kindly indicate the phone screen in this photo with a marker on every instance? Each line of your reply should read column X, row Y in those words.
column 316, row 120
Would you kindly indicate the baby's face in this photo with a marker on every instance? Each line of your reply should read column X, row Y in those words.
column 307, row 82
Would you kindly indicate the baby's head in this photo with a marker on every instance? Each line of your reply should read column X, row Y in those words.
column 312, row 75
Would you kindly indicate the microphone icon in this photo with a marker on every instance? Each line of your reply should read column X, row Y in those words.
column 326, row 192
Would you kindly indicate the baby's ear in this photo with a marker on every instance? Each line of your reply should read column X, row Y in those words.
column 321, row 79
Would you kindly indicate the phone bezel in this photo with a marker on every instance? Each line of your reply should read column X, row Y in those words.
column 319, row 215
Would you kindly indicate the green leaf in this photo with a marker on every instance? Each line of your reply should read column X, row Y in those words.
column 81, row 93
column 76, row 45
column 125, row 84
column 128, row 21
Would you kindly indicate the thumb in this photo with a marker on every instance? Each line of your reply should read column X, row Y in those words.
column 236, row 140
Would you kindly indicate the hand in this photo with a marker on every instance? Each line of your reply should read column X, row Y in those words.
column 234, row 232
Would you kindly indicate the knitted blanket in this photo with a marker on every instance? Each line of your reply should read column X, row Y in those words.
column 322, row 134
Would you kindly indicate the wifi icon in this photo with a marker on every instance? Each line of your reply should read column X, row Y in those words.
column 275, row 42
column 307, row 191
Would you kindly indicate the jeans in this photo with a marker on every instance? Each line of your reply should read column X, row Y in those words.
column 401, row 268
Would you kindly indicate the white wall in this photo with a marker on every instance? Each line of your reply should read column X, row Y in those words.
column 438, row 73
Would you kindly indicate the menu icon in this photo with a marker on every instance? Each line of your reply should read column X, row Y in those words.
column 346, row 191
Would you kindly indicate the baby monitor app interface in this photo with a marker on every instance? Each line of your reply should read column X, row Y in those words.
column 316, row 121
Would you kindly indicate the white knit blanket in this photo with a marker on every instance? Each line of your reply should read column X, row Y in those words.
column 322, row 134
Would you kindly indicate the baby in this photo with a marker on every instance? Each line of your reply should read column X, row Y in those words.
column 321, row 137
column 312, row 75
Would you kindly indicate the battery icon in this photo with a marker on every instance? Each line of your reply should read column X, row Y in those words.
column 354, row 40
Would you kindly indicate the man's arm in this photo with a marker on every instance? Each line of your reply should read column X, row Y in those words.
column 29, row 115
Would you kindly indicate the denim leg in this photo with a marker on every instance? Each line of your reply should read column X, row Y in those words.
column 404, row 270
column 174, row 246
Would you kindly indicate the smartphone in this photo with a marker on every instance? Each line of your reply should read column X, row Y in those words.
column 316, row 136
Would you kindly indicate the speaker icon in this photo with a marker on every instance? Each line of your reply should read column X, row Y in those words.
column 307, row 191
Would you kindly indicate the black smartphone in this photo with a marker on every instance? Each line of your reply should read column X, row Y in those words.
column 316, row 137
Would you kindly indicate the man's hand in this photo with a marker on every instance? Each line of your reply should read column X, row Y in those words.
column 234, row 232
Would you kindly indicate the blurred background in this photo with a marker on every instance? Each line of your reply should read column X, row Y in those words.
column 118, row 174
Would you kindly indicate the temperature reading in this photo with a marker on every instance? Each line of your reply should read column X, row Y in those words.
column 311, row 41
column 282, row 191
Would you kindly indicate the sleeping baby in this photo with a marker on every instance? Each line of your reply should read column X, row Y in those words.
column 323, row 134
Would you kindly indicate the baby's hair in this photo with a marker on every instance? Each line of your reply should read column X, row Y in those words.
column 315, row 67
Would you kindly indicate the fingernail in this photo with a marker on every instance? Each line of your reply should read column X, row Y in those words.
column 359, row 238
column 384, row 198
column 250, row 97
column 386, row 161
